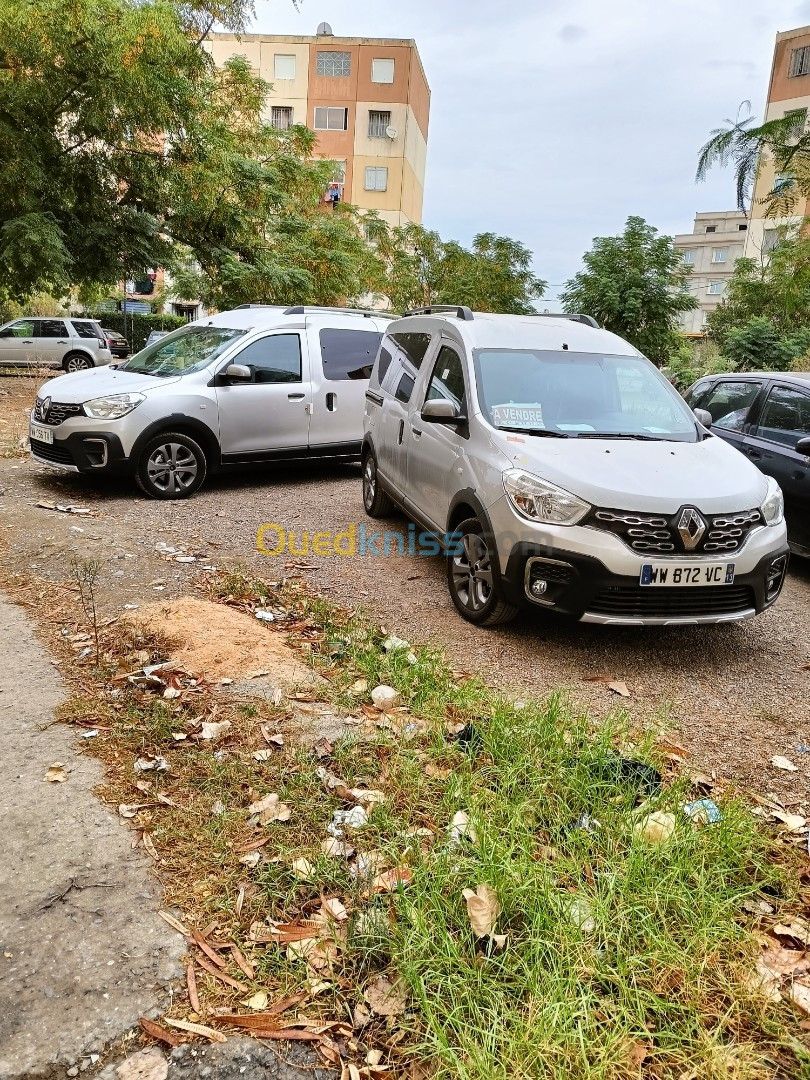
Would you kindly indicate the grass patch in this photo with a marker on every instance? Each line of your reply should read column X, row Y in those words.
column 622, row 958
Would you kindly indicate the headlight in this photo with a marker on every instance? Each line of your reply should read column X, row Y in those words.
column 113, row 407
column 773, row 509
column 538, row 500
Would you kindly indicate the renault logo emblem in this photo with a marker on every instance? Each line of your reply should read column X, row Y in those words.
column 691, row 528
column 46, row 408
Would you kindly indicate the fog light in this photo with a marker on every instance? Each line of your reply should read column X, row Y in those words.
column 538, row 587
column 776, row 573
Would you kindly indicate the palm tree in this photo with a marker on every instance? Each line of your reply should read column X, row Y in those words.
column 742, row 145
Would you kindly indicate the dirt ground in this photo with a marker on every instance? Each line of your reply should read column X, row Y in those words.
column 735, row 694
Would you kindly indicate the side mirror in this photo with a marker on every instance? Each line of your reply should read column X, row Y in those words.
column 238, row 372
column 703, row 416
column 441, row 411
column 803, row 447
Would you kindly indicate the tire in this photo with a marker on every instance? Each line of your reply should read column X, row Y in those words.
column 377, row 504
column 474, row 584
column 171, row 466
column 77, row 362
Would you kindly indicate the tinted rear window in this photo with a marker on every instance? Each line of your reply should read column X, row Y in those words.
column 87, row 330
column 349, row 354
column 384, row 364
column 414, row 346
column 404, row 388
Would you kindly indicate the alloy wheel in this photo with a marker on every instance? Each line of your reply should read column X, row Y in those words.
column 172, row 468
column 369, row 482
column 472, row 572
column 77, row 363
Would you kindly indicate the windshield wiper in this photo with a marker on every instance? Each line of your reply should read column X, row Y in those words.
column 619, row 435
column 542, row 432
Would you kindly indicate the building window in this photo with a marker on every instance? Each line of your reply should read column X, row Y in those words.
column 770, row 240
column 689, row 258
column 382, row 71
column 283, row 66
column 377, row 123
column 719, row 255
column 742, row 228
column 800, row 61
column 376, row 178
column 281, row 117
column 716, row 288
column 334, row 63
column 711, row 228
column 331, row 119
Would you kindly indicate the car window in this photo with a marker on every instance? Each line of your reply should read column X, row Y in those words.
column 348, row 354
column 447, row 379
column 383, row 365
column 23, row 328
column 695, row 395
column 51, row 328
column 86, row 329
column 785, row 417
column 730, row 402
column 405, row 388
column 188, row 349
column 275, row 359
column 414, row 346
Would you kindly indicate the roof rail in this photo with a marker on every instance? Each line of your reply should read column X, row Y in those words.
column 588, row 320
column 458, row 310
column 304, row 309
column 240, row 307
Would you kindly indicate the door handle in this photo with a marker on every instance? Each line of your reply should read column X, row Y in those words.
column 62, row 341
column 417, row 432
column 331, row 401
column 401, row 431
column 28, row 341
column 296, row 397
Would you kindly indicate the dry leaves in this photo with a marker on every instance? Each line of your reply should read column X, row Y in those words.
column 56, row 774
column 483, row 909
column 656, row 828
column 197, row 1029
column 386, row 998
column 269, row 809
column 783, row 763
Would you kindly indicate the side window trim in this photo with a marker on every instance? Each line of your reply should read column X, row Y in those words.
column 445, row 343
column 282, row 331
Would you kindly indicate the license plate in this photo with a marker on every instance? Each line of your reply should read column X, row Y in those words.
column 41, row 434
column 661, row 573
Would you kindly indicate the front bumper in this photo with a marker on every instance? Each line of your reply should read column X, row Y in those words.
column 85, row 452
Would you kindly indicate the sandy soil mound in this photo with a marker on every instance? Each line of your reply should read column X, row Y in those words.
column 216, row 642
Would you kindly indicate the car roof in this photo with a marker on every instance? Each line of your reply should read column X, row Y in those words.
column 800, row 377
column 269, row 317
column 485, row 330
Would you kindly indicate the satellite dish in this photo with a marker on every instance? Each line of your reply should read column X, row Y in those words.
column 325, row 30
column 391, row 132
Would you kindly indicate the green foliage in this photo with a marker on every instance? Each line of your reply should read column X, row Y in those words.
column 419, row 268
column 758, row 345
column 137, row 328
column 694, row 359
column 634, row 285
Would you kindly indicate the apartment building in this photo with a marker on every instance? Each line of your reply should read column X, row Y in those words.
column 710, row 250
column 366, row 98
column 788, row 91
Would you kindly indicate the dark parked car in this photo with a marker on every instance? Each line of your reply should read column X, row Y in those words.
column 117, row 343
column 766, row 415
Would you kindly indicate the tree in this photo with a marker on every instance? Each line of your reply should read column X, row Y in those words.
column 634, row 284
column 420, row 269
column 746, row 146
column 124, row 147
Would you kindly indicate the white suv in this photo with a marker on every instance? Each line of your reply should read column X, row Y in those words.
column 72, row 344
column 257, row 384
column 560, row 469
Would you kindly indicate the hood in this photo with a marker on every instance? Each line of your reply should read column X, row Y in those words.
column 646, row 476
column 81, row 386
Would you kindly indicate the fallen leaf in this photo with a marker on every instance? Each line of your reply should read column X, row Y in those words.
column 336, row 849
column 780, row 762
column 792, row 822
column 657, row 827
column 303, row 869
column 197, row 1029
column 148, row 843
column 359, row 686
column 242, row 963
column 156, row 1031
column 367, row 796
column 389, row 880
column 796, row 928
column 386, row 998
column 265, row 1019
column 56, row 774
column 799, row 994
column 174, row 923
column 253, row 858
column 619, row 688
column 258, row 1001
column 462, row 828
column 779, row 961
column 130, row 810
column 335, row 909
column 210, row 730
column 270, row 808
column 483, row 909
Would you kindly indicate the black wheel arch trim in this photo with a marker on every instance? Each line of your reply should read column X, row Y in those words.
column 183, row 425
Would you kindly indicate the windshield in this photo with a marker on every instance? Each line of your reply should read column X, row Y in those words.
column 188, row 349
column 580, row 395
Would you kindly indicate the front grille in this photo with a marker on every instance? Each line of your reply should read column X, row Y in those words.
column 56, row 414
column 659, row 534
column 633, row 601
column 56, row 452
column 563, row 573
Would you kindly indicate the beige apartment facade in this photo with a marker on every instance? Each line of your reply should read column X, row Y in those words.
column 788, row 91
column 368, row 101
column 712, row 248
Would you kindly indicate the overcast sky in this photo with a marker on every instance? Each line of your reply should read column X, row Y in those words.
column 551, row 122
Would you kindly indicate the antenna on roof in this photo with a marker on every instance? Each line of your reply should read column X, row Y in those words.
column 325, row 30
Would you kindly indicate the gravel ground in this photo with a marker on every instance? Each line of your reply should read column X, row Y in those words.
column 735, row 694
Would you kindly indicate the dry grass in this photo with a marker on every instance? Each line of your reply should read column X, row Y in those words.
column 18, row 389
